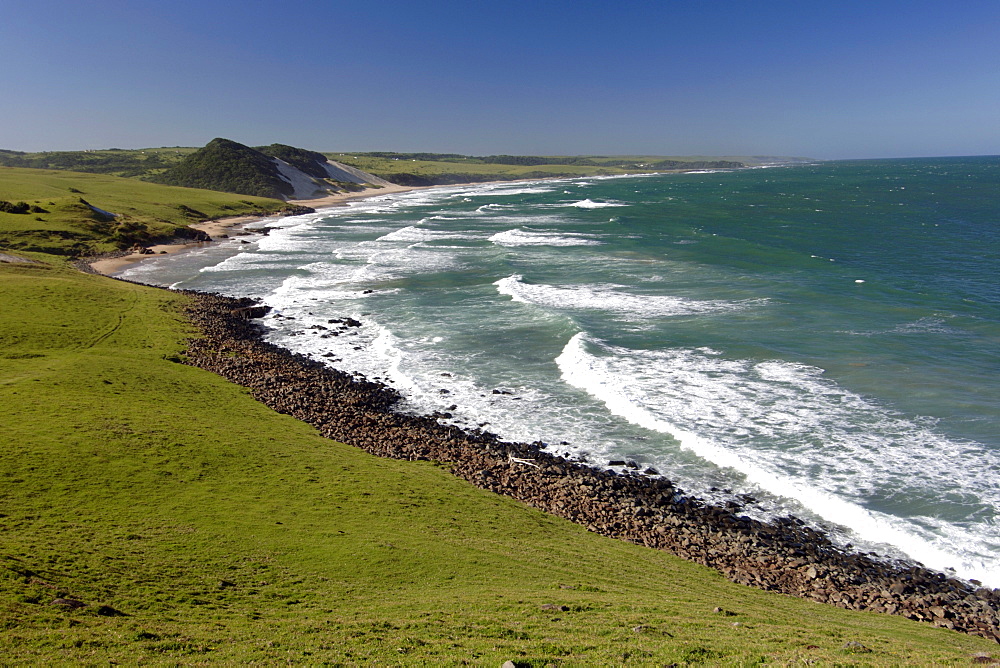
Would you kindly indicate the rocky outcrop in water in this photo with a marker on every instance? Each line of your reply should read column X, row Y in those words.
column 784, row 555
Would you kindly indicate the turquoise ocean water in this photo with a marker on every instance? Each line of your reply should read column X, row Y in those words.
column 824, row 337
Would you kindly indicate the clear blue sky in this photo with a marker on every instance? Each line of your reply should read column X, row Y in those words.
column 674, row 77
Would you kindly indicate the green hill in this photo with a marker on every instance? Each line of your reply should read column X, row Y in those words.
column 227, row 166
column 276, row 171
column 68, row 211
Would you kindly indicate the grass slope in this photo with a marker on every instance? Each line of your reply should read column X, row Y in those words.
column 113, row 161
column 225, row 532
column 146, row 210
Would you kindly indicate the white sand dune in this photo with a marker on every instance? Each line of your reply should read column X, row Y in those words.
column 308, row 187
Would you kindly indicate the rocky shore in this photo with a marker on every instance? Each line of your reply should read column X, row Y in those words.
column 784, row 555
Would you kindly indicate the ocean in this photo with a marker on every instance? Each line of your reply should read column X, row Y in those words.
column 824, row 338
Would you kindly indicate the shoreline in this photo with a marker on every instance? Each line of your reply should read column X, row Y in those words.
column 214, row 229
column 109, row 266
column 781, row 555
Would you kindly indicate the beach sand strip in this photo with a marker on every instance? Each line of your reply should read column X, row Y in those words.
column 216, row 229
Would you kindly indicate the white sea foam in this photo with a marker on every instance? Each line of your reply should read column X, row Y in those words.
column 239, row 262
column 340, row 221
column 521, row 237
column 506, row 221
column 488, row 208
column 413, row 234
column 419, row 366
column 355, row 228
column 231, row 255
column 590, row 204
column 925, row 325
column 609, row 298
column 396, row 263
column 290, row 238
column 385, row 347
column 506, row 191
column 369, row 263
column 797, row 435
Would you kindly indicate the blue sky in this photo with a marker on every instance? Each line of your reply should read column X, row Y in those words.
column 816, row 79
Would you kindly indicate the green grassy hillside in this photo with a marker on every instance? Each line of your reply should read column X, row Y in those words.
column 64, row 222
column 199, row 526
column 113, row 161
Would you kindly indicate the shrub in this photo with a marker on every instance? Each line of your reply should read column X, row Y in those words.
column 9, row 207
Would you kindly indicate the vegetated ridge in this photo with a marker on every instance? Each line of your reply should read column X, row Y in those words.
column 130, row 163
column 312, row 173
column 76, row 214
column 276, row 171
column 427, row 169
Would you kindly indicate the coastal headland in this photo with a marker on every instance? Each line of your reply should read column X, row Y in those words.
column 785, row 555
column 153, row 512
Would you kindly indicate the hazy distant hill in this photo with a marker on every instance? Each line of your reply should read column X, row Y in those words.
column 427, row 169
column 132, row 163
column 278, row 171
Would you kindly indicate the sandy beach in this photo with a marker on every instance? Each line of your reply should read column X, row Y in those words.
column 217, row 228
column 341, row 198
